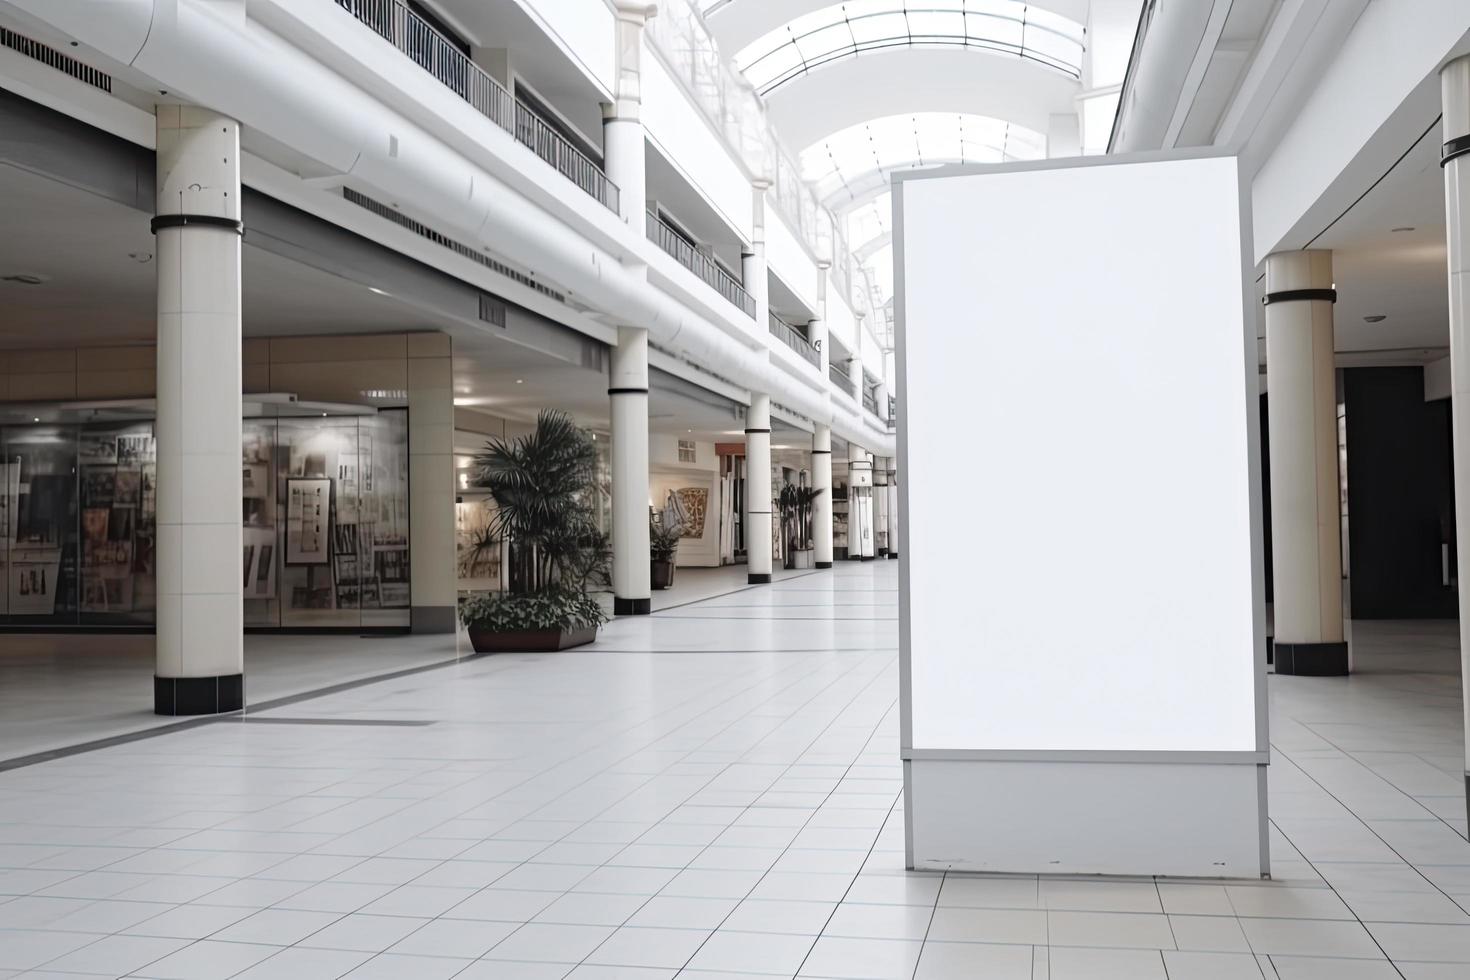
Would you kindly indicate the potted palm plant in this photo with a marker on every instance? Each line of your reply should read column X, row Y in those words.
column 543, row 485
column 663, row 545
column 796, row 520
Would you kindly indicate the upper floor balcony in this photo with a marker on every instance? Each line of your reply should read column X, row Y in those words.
column 662, row 234
column 446, row 60
column 796, row 339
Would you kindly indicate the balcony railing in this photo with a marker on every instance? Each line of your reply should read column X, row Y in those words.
column 432, row 51
column 870, row 400
column 556, row 150
column 698, row 263
column 796, row 340
column 892, row 412
column 837, row 371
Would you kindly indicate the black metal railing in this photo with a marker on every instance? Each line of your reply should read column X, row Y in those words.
column 796, row 340
column 666, row 238
column 433, row 52
column 558, row 151
column 892, row 412
column 837, row 371
column 870, row 400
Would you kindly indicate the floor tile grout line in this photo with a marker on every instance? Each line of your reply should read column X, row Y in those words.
column 1366, row 826
column 814, row 671
column 1387, row 782
column 929, row 926
column 1361, row 925
column 470, row 843
column 736, row 591
column 867, row 741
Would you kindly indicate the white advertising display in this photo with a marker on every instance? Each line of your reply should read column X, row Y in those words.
column 1078, row 365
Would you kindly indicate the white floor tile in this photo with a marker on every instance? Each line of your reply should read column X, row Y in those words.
column 1074, row 963
column 862, row 959
column 664, row 948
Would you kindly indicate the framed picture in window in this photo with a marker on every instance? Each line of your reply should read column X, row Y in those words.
column 308, row 521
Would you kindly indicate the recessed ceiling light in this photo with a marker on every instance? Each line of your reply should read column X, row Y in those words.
column 1376, row 318
column 1403, row 228
column 520, row 381
column 36, row 419
column 141, row 257
column 23, row 279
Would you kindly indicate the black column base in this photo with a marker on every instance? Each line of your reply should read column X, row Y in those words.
column 431, row 619
column 893, row 554
column 1311, row 659
column 632, row 607
column 754, row 578
column 198, row 695
column 824, row 564
column 866, row 558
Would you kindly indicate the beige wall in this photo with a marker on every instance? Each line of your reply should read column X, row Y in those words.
column 77, row 374
column 341, row 368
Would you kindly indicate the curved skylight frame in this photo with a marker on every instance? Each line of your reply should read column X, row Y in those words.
column 855, row 163
column 848, row 29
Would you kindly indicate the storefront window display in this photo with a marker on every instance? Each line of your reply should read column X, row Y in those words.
column 324, row 523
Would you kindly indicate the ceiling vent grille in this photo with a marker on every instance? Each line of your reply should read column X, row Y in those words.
column 438, row 238
column 492, row 310
column 55, row 59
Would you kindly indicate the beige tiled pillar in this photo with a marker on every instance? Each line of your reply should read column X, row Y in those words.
column 433, row 588
column 1306, row 551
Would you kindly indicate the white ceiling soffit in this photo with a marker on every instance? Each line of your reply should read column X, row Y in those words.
column 736, row 23
column 899, row 81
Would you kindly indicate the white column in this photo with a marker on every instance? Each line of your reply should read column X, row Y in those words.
column 1305, row 525
column 758, row 489
column 622, row 126
column 892, row 509
column 859, row 504
column 753, row 263
column 822, row 505
column 434, row 583
column 1455, row 85
column 628, row 390
column 816, row 328
column 880, row 507
column 200, row 654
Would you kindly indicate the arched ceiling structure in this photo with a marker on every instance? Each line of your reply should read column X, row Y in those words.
column 859, row 89
column 736, row 23
column 900, row 81
column 852, row 164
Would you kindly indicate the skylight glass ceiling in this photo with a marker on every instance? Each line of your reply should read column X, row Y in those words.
column 843, row 30
column 857, row 161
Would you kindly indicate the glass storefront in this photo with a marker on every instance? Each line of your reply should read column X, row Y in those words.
column 324, row 509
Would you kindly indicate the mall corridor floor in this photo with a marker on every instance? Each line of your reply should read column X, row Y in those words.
column 711, row 792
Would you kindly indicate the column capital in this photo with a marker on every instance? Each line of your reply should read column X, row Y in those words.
column 634, row 11
column 1454, row 80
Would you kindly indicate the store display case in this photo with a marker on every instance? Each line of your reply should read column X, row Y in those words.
column 324, row 523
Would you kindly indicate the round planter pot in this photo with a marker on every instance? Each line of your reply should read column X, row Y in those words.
column 530, row 641
column 661, row 574
column 802, row 558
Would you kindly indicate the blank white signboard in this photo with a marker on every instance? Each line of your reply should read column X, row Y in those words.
column 1079, row 380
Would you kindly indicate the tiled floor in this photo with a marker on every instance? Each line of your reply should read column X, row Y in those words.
column 711, row 792
column 60, row 689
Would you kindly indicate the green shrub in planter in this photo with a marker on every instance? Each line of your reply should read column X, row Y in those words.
column 549, row 609
column 544, row 485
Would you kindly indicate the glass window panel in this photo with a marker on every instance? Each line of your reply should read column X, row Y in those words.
column 42, row 581
column 824, row 42
column 1053, row 48
column 1001, row 29
column 873, row 28
column 773, row 65
column 944, row 25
